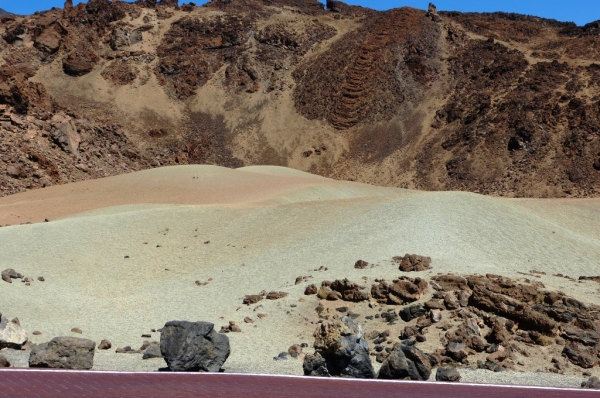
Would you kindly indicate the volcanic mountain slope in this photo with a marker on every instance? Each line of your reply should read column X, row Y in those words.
column 500, row 104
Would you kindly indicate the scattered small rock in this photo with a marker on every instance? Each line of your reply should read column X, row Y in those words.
column 152, row 351
column 295, row 350
column 248, row 320
column 105, row 344
column 41, row 278
column 4, row 362
column 252, row 299
column 276, row 295
column 232, row 327
column 311, row 289
column 76, row 330
column 447, row 374
column 9, row 274
column 36, row 333
column 361, row 264
column 435, row 315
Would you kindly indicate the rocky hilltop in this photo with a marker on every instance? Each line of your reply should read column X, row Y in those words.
column 500, row 104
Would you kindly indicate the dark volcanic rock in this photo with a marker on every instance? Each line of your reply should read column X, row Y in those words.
column 592, row 382
column 361, row 264
column 193, row 346
column 4, row 362
column 411, row 312
column 447, row 374
column 406, row 362
column 153, row 351
column 315, row 365
column 580, row 355
column 341, row 350
column 64, row 353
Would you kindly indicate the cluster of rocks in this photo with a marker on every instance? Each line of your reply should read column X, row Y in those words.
column 148, row 349
column 342, row 289
column 433, row 14
column 255, row 298
column 231, row 327
column 342, row 350
column 490, row 322
column 400, row 291
column 9, row 274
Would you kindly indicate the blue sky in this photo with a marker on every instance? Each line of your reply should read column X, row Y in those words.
column 578, row 11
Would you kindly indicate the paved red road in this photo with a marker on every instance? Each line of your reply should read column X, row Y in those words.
column 56, row 383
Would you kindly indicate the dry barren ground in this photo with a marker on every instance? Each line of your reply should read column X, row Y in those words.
column 120, row 255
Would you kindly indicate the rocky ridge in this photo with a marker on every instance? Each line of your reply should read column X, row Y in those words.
column 499, row 104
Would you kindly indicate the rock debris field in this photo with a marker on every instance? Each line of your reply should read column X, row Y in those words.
column 272, row 270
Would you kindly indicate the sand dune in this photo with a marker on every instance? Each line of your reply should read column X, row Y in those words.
column 266, row 226
column 190, row 185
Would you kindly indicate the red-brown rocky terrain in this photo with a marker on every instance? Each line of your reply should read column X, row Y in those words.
column 500, row 104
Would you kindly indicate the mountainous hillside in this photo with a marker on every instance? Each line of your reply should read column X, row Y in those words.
column 500, row 104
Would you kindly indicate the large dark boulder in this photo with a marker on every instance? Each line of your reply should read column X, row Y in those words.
column 341, row 350
column 64, row 353
column 407, row 362
column 193, row 347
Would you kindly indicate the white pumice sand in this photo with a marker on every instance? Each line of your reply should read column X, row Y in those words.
column 120, row 255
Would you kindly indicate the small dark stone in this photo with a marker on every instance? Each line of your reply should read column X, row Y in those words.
column 447, row 374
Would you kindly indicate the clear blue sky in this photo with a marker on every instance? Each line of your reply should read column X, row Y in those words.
column 578, row 11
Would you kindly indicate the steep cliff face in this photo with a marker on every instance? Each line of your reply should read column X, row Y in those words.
column 501, row 104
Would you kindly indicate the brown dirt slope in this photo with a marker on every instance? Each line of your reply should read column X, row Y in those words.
column 501, row 104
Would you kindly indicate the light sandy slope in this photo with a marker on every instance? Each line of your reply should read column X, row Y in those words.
column 266, row 226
